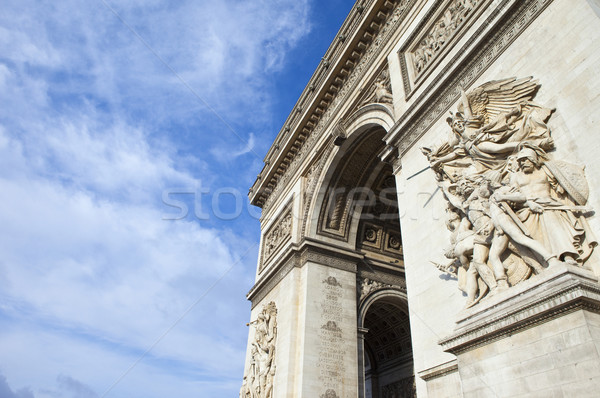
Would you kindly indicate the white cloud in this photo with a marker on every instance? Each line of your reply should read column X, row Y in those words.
column 93, row 128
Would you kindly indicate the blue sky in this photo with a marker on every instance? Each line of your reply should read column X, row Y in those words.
column 114, row 116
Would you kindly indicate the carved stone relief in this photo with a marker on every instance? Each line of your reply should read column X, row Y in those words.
column 402, row 388
column 439, row 34
column 520, row 16
column 380, row 91
column 279, row 233
column 258, row 379
column 512, row 210
column 366, row 286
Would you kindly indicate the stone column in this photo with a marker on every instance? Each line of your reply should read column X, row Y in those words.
column 361, row 361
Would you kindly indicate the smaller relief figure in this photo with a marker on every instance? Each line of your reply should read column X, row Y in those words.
column 380, row 92
column 258, row 379
column 513, row 211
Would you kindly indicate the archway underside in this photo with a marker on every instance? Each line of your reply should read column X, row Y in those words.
column 388, row 352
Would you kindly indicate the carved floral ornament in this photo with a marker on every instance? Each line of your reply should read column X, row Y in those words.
column 258, row 378
column 512, row 209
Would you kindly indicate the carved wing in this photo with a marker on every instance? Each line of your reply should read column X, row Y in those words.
column 501, row 96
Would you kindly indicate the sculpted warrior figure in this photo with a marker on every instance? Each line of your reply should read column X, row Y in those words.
column 513, row 210
column 258, row 381
column 489, row 125
column 549, row 215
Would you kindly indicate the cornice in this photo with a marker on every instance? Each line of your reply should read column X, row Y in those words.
column 338, row 76
column 549, row 297
column 439, row 370
column 308, row 250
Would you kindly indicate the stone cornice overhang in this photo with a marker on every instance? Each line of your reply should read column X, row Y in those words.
column 298, row 255
column 502, row 26
column 560, row 290
column 333, row 256
column 353, row 40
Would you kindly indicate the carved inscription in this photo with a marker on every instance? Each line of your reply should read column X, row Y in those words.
column 331, row 353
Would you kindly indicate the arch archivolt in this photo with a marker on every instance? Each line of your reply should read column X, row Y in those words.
column 353, row 163
column 368, row 116
column 390, row 294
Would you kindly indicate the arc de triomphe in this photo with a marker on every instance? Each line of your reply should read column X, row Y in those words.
column 428, row 209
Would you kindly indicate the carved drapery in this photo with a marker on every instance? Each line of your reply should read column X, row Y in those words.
column 258, row 378
column 512, row 210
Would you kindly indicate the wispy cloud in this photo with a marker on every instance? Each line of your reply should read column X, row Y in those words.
column 93, row 128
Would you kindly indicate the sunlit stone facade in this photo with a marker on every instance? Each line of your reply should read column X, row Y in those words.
column 428, row 209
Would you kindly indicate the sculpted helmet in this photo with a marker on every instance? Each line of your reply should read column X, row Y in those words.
column 528, row 153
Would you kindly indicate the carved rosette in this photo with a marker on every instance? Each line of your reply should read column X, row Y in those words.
column 512, row 210
column 258, row 378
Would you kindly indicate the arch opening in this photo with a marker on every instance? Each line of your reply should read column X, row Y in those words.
column 388, row 361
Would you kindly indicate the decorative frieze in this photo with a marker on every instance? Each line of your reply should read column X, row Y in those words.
column 276, row 236
column 435, row 36
column 348, row 86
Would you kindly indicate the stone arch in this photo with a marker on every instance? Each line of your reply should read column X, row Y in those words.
column 370, row 115
column 367, row 126
column 384, row 345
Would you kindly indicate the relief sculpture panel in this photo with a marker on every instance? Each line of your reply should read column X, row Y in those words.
column 439, row 34
column 276, row 236
column 258, row 379
column 512, row 209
